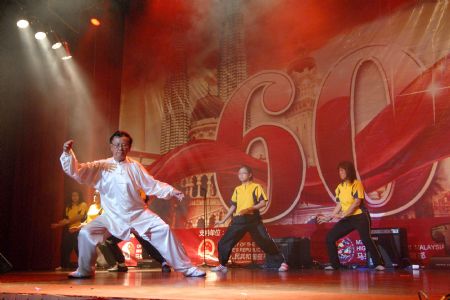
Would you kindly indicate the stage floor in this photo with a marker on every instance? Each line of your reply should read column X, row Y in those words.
column 238, row 283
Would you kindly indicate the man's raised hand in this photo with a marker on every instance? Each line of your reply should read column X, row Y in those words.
column 68, row 146
column 177, row 194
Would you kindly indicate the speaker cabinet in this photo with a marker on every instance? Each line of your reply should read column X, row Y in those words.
column 296, row 251
column 393, row 246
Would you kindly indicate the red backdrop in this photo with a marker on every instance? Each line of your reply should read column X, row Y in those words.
column 291, row 88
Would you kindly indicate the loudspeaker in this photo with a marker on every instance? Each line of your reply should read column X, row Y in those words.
column 296, row 251
column 393, row 246
column 148, row 263
column 5, row 265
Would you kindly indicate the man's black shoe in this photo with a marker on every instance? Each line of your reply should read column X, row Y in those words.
column 166, row 268
column 118, row 268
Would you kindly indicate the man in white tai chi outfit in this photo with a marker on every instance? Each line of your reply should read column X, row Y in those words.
column 119, row 179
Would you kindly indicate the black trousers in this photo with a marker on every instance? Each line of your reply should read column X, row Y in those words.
column 239, row 226
column 69, row 242
column 107, row 254
column 112, row 242
column 362, row 224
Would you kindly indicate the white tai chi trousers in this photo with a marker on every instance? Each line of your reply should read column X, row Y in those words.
column 155, row 231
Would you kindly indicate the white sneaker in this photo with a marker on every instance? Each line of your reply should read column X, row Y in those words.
column 329, row 268
column 380, row 268
column 194, row 272
column 219, row 268
column 283, row 267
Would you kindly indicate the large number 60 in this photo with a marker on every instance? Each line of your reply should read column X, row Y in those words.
column 339, row 130
column 340, row 110
column 285, row 157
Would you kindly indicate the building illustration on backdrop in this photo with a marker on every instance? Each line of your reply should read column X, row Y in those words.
column 232, row 68
column 231, row 71
column 201, row 188
column 176, row 106
column 186, row 118
column 181, row 123
column 299, row 118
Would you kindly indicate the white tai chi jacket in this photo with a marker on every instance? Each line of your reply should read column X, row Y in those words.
column 123, row 207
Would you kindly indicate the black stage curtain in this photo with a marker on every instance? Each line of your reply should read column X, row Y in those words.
column 37, row 114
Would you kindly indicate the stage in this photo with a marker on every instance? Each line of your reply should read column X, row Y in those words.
column 238, row 283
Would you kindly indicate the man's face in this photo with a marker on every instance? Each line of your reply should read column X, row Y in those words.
column 120, row 147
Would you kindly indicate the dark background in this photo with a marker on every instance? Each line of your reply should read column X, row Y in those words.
column 37, row 114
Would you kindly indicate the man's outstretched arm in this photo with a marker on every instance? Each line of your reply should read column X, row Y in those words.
column 85, row 173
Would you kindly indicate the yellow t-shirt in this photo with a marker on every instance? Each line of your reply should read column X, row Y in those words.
column 246, row 195
column 75, row 211
column 93, row 212
column 346, row 193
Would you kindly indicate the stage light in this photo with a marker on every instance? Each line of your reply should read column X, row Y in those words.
column 56, row 45
column 67, row 55
column 22, row 23
column 55, row 40
column 40, row 35
column 23, row 19
column 40, row 30
column 95, row 22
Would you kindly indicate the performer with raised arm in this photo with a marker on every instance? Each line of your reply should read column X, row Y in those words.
column 74, row 214
column 352, row 215
column 119, row 180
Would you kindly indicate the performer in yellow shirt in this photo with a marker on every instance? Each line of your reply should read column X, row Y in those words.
column 95, row 209
column 352, row 215
column 104, row 257
column 73, row 215
column 247, row 200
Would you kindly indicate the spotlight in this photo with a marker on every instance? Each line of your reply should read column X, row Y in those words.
column 40, row 30
column 55, row 40
column 95, row 22
column 67, row 55
column 56, row 45
column 23, row 20
column 40, row 35
column 22, row 23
